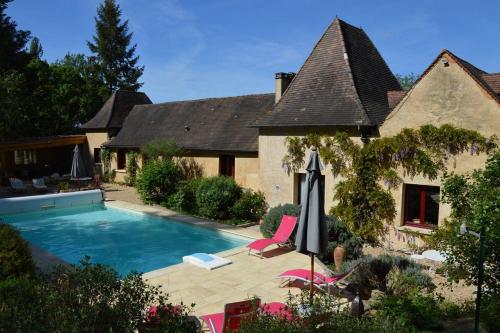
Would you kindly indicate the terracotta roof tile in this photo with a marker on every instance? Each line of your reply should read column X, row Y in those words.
column 493, row 80
column 394, row 97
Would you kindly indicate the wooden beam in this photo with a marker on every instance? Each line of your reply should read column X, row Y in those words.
column 43, row 143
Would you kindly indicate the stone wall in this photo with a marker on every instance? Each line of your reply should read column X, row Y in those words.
column 445, row 95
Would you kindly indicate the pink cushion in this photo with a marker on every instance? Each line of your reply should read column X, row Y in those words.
column 303, row 274
column 261, row 244
column 214, row 321
column 285, row 229
column 277, row 309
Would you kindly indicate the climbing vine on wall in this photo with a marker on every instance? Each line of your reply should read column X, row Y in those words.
column 132, row 167
column 362, row 197
column 106, row 156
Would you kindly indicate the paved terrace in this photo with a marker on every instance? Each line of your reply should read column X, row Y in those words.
column 246, row 277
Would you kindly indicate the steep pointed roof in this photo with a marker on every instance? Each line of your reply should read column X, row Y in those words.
column 343, row 82
column 114, row 111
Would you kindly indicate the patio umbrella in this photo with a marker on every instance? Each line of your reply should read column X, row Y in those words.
column 76, row 165
column 312, row 233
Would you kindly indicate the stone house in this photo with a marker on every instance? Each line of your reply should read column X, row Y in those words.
column 213, row 131
column 342, row 86
column 345, row 85
column 109, row 120
column 450, row 91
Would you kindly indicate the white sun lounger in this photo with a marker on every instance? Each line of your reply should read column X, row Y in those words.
column 17, row 185
column 39, row 184
column 205, row 260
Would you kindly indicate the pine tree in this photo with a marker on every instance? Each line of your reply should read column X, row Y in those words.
column 36, row 49
column 12, row 42
column 111, row 45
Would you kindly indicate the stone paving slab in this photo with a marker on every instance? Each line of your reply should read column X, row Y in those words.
column 246, row 277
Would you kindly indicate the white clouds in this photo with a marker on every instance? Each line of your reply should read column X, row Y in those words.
column 261, row 53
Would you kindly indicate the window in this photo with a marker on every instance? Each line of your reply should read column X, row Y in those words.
column 226, row 165
column 421, row 205
column 121, row 160
column 97, row 155
column 300, row 184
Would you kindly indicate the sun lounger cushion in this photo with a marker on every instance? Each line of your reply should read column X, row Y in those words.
column 207, row 261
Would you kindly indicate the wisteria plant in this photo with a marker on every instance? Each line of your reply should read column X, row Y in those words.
column 370, row 171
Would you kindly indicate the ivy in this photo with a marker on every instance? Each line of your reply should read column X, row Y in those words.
column 363, row 199
column 132, row 167
column 106, row 156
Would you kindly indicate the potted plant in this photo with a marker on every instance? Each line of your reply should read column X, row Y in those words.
column 338, row 256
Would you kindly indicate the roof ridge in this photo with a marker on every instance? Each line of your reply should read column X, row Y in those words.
column 130, row 91
column 351, row 76
column 113, row 103
column 211, row 98
column 478, row 78
column 305, row 61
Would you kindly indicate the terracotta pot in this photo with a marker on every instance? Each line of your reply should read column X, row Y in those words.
column 338, row 256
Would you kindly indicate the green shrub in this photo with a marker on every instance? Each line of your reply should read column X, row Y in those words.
column 251, row 206
column 21, row 306
column 158, row 180
column 216, row 195
column 166, row 149
column 373, row 272
column 15, row 255
column 338, row 234
column 184, row 200
column 86, row 298
column 168, row 318
column 272, row 219
column 413, row 310
column 63, row 186
column 190, row 168
column 325, row 317
column 408, row 280
column 490, row 308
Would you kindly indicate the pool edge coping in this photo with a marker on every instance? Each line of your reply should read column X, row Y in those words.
column 200, row 222
column 197, row 221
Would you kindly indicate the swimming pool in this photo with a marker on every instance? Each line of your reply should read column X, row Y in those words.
column 123, row 239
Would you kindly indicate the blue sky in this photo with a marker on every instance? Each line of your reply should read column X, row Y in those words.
column 207, row 48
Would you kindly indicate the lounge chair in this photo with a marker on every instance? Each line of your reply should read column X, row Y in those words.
column 321, row 281
column 281, row 237
column 17, row 185
column 39, row 185
column 55, row 176
column 230, row 319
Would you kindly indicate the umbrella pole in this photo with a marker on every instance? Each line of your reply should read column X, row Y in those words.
column 311, row 284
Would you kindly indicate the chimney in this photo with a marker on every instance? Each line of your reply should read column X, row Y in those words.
column 281, row 83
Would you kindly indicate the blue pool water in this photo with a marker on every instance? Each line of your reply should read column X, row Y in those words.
column 120, row 238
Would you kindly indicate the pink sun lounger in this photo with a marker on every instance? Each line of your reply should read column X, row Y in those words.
column 281, row 237
column 320, row 281
column 230, row 319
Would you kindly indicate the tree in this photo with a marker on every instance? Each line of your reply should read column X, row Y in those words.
column 12, row 42
column 36, row 49
column 362, row 202
column 474, row 200
column 407, row 81
column 93, row 90
column 111, row 47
